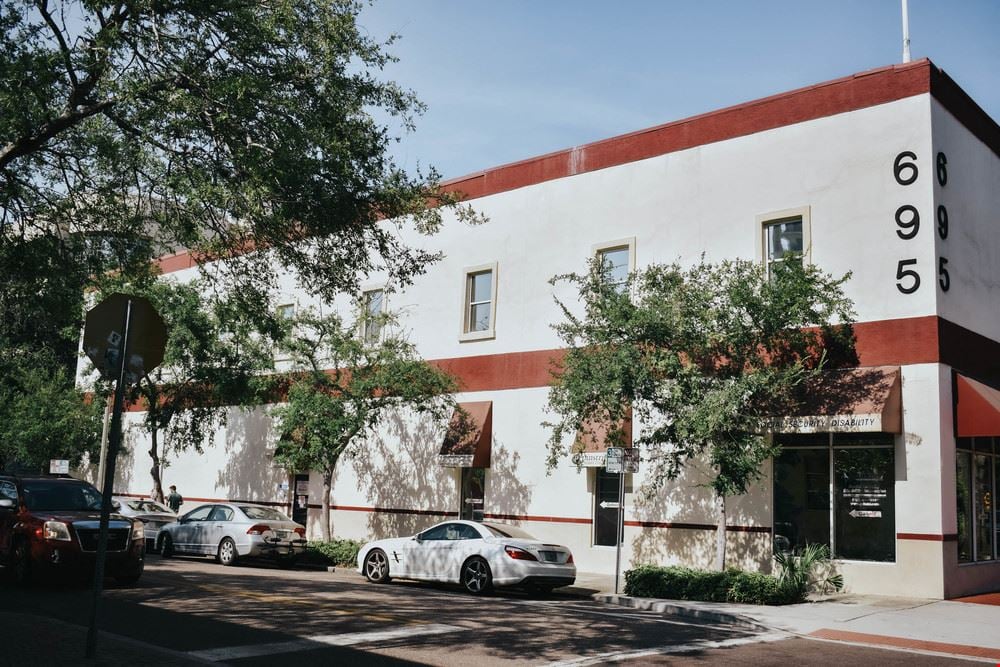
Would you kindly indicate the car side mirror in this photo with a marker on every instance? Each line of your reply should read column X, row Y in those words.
column 417, row 538
column 116, row 506
column 6, row 504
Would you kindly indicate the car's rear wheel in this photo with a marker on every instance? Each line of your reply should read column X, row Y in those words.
column 377, row 567
column 476, row 576
column 20, row 563
column 227, row 554
column 166, row 546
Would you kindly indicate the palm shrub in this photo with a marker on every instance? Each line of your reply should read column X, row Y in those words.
column 807, row 570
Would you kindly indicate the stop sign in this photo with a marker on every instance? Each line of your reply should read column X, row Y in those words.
column 104, row 336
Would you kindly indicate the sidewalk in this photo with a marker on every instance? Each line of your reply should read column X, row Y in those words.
column 968, row 628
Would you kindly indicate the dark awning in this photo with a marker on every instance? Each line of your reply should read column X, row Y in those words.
column 851, row 400
column 469, row 438
column 592, row 441
column 977, row 409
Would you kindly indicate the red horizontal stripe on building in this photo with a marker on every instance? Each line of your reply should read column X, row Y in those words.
column 928, row 537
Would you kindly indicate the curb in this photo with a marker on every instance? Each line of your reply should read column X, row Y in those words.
column 673, row 609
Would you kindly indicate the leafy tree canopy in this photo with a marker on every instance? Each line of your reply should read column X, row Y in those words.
column 42, row 414
column 340, row 389
column 702, row 355
column 129, row 129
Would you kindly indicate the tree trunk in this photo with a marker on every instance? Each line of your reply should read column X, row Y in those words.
column 155, row 470
column 720, row 532
column 325, row 523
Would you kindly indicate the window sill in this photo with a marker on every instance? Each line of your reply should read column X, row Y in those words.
column 976, row 563
column 470, row 336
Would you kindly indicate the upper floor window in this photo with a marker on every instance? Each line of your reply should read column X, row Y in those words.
column 479, row 302
column 373, row 302
column 285, row 311
column 617, row 261
column 784, row 235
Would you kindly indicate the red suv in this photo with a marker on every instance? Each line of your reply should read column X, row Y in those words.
column 50, row 526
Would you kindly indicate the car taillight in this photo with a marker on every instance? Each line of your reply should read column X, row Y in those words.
column 518, row 554
column 258, row 529
column 300, row 531
column 570, row 559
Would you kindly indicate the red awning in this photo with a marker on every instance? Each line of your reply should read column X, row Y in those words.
column 469, row 438
column 977, row 409
column 850, row 400
column 592, row 441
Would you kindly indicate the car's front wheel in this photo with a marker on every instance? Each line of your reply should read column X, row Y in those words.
column 476, row 576
column 377, row 567
column 227, row 554
column 132, row 578
column 166, row 546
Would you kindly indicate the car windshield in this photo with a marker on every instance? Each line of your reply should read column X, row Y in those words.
column 146, row 506
column 60, row 495
column 263, row 513
column 503, row 530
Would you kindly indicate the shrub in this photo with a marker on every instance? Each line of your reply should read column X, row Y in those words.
column 808, row 569
column 334, row 552
column 682, row 583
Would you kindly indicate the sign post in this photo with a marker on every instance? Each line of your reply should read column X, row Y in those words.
column 124, row 337
column 620, row 460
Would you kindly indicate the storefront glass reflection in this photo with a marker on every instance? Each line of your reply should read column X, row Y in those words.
column 865, row 529
column 801, row 499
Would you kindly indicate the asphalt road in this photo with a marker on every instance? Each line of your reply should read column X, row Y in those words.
column 251, row 615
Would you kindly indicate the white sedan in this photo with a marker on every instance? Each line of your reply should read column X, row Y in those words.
column 476, row 555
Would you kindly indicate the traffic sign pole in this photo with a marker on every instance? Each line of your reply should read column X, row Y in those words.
column 620, row 527
column 114, row 442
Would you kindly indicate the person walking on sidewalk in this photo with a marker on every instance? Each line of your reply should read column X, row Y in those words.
column 174, row 500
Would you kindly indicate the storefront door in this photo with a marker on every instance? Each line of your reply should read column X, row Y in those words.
column 300, row 507
column 473, row 492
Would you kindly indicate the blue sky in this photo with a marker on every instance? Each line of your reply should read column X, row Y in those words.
column 505, row 80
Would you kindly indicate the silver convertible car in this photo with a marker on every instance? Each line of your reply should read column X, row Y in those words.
column 476, row 555
column 231, row 531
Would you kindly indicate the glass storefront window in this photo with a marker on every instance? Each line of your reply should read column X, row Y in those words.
column 859, row 521
column 977, row 479
column 983, row 500
column 801, row 498
column 963, row 500
column 865, row 526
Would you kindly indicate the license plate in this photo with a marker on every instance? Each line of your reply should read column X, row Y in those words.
column 283, row 534
column 549, row 556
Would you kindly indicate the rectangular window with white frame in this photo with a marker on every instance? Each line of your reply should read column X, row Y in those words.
column 783, row 235
column 617, row 260
column 479, row 303
column 372, row 319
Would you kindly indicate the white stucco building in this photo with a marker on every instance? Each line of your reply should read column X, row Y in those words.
column 892, row 174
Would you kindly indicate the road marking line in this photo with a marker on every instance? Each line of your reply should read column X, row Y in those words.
column 320, row 641
column 700, row 645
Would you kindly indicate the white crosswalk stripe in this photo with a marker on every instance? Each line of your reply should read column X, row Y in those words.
column 321, row 641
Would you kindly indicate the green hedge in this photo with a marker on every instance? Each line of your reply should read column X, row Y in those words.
column 334, row 552
column 683, row 583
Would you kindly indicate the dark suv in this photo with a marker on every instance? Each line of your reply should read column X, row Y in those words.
column 50, row 526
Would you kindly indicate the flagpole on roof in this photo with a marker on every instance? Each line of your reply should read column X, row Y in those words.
column 906, row 33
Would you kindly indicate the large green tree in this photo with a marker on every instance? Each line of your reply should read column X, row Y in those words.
column 133, row 128
column 341, row 387
column 215, row 356
column 703, row 356
column 42, row 414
